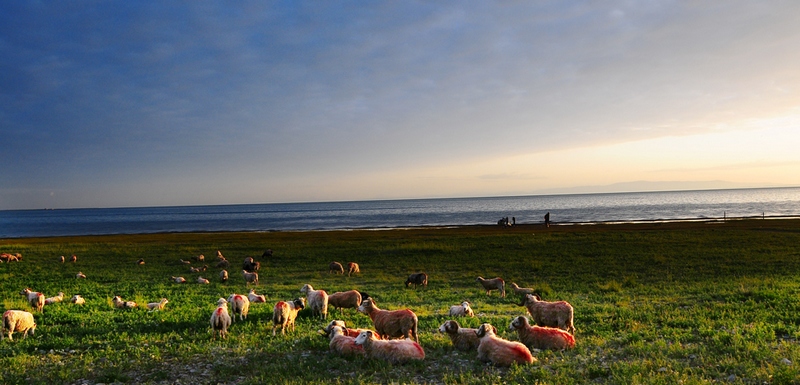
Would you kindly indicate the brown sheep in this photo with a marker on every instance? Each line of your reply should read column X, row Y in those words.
column 417, row 279
column 345, row 299
column 501, row 352
column 352, row 268
column 493, row 284
column 391, row 324
column 541, row 337
column 553, row 314
column 464, row 339
column 336, row 267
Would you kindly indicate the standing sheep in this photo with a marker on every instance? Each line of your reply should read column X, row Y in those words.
column 220, row 319
column 73, row 258
column 317, row 301
column 239, row 305
column 285, row 313
column 417, row 279
column 541, row 337
column 464, row 339
column 250, row 277
column 156, row 306
column 335, row 267
column 352, row 268
column 18, row 321
column 501, row 352
column 35, row 299
column 394, row 351
column 493, row 284
column 553, row 314
column 521, row 291
column 462, row 310
column 345, row 299
column 223, row 276
column 395, row 323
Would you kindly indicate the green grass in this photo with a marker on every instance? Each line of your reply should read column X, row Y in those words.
column 685, row 303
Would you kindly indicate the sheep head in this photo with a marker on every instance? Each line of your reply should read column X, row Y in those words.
column 486, row 330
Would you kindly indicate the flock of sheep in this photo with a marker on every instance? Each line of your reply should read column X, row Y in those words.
column 395, row 336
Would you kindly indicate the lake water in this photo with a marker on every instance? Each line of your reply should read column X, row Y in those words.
column 564, row 209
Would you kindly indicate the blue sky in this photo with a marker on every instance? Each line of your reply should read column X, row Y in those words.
column 106, row 104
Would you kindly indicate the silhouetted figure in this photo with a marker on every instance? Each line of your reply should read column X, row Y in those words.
column 547, row 219
column 513, row 221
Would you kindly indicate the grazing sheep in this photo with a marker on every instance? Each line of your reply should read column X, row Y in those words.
column 417, row 279
column 256, row 298
column 493, row 284
column 343, row 344
column 394, row 351
column 73, row 258
column 250, row 277
column 223, row 275
column 541, row 337
column 140, row 261
column 391, row 324
column 501, row 352
column 239, row 305
column 352, row 268
column 199, row 258
column 198, row 269
column 223, row 264
column 18, row 321
column 121, row 304
column 521, row 291
column 249, row 264
column 7, row 257
column 80, row 275
column 62, row 259
column 77, row 299
column 267, row 253
column 52, row 300
column 35, row 299
column 220, row 319
column 335, row 267
column 345, row 299
column 464, row 339
column 553, row 314
column 347, row 331
column 156, row 306
column 462, row 310
column 317, row 301
column 220, row 256
column 285, row 313
column 253, row 267
column 203, row 281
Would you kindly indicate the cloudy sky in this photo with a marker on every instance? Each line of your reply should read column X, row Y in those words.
column 106, row 104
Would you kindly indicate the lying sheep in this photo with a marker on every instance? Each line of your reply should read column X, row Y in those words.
column 198, row 269
column 239, row 305
column 220, row 319
column 501, row 352
column 156, row 306
column 18, row 321
column 250, row 277
column 203, row 281
column 521, row 291
column 267, row 253
column 335, row 267
column 223, row 264
column 35, row 299
column 345, row 299
column 553, row 314
column 56, row 299
column 284, row 314
column 462, row 310
column 73, row 258
column 119, row 303
column 178, row 279
column 347, row 331
column 391, row 324
column 417, row 279
column 343, row 344
column 317, row 301
column 541, row 337
column 394, row 351
column 256, row 298
column 352, row 268
column 140, row 262
column 493, row 284
column 77, row 299
column 199, row 258
column 80, row 275
column 464, row 339
column 223, row 276
column 8, row 257
column 186, row 262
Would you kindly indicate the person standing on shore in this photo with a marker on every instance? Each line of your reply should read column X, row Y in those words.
column 547, row 219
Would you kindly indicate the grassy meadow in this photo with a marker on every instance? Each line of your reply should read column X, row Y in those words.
column 689, row 303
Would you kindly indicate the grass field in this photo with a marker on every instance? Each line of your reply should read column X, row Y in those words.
column 668, row 303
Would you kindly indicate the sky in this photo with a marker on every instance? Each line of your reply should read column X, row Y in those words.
column 118, row 104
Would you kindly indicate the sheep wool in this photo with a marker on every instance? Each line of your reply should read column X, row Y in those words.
column 18, row 321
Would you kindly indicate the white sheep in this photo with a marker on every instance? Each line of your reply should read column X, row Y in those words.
column 493, row 284
column 465, row 339
column 77, row 299
column 541, row 337
column 462, row 310
column 285, row 312
column 220, row 319
column 35, row 299
column 56, row 299
column 256, row 298
column 501, row 352
column 343, row 344
column 156, row 306
column 186, row 262
column 345, row 299
column 178, row 279
column 250, row 277
column 223, row 275
column 80, row 275
column 347, row 331
column 352, row 268
column 202, row 280
column 391, row 324
column 18, row 321
column 558, row 314
column 317, row 301
column 239, row 305
column 394, row 351
column 121, row 304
